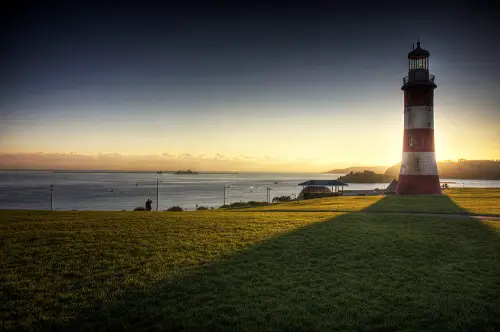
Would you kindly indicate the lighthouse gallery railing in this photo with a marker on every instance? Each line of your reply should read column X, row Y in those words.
column 419, row 79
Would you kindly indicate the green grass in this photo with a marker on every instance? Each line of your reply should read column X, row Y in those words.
column 327, row 204
column 227, row 270
column 474, row 201
column 55, row 265
column 479, row 201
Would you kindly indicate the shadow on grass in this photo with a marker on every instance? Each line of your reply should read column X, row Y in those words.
column 427, row 204
column 417, row 204
column 352, row 272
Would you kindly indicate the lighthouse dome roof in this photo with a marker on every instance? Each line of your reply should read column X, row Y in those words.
column 418, row 52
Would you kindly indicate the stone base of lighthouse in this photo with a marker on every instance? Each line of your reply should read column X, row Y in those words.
column 418, row 185
column 418, row 174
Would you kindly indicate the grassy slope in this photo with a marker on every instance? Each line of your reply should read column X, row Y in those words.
column 261, row 270
column 55, row 265
column 478, row 201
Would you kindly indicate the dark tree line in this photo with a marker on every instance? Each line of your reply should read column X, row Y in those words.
column 463, row 169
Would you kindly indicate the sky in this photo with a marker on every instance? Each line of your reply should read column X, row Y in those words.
column 236, row 85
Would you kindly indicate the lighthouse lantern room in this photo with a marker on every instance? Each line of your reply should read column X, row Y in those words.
column 418, row 173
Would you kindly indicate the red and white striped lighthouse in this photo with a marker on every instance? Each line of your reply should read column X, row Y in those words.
column 418, row 174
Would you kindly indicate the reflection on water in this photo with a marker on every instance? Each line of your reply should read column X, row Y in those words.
column 125, row 191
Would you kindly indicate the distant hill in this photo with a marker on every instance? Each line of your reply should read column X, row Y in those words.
column 365, row 177
column 376, row 169
column 462, row 169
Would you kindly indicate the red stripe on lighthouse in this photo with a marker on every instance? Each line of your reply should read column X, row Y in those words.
column 418, row 140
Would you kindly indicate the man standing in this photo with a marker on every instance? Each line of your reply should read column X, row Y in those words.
column 148, row 204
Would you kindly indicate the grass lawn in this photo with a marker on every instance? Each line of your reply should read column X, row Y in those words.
column 478, row 201
column 57, row 265
column 486, row 201
column 341, row 203
column 215, row 270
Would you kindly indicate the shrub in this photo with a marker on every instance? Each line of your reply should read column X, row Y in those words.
column 140, row 208
column 279, row 199
column 199, row 208
column 175, row 208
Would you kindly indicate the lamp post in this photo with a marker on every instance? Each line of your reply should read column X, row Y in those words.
column 51, row 187
column 157, row 191
column 268, row 189
column 225, row 194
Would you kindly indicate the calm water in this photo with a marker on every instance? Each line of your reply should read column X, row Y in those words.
column 125, row 191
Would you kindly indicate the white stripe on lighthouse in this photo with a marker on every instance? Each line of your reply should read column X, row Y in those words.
column 419, row 117
column 418, row 163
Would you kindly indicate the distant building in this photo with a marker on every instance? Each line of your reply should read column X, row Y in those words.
column 321, row 188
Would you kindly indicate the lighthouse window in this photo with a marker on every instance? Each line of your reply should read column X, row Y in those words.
column 413, row 142
column 416, row 163
column 420, row 63
column 422, row 164
column 427, row 97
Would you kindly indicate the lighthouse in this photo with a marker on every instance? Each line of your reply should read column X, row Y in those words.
column 418, row 174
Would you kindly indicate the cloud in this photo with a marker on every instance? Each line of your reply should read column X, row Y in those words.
column 164, row 161
column 106, row 156
column 247, row 157
column 219, row 156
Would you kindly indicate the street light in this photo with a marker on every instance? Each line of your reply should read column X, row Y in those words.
column 225, row 194
column 157, row 196
column 268, row 189
column 51, row 187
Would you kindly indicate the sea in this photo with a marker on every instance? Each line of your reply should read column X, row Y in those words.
column 116, row 191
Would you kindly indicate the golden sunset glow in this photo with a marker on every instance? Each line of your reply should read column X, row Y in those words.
column 308, row 102
column 244, row 142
